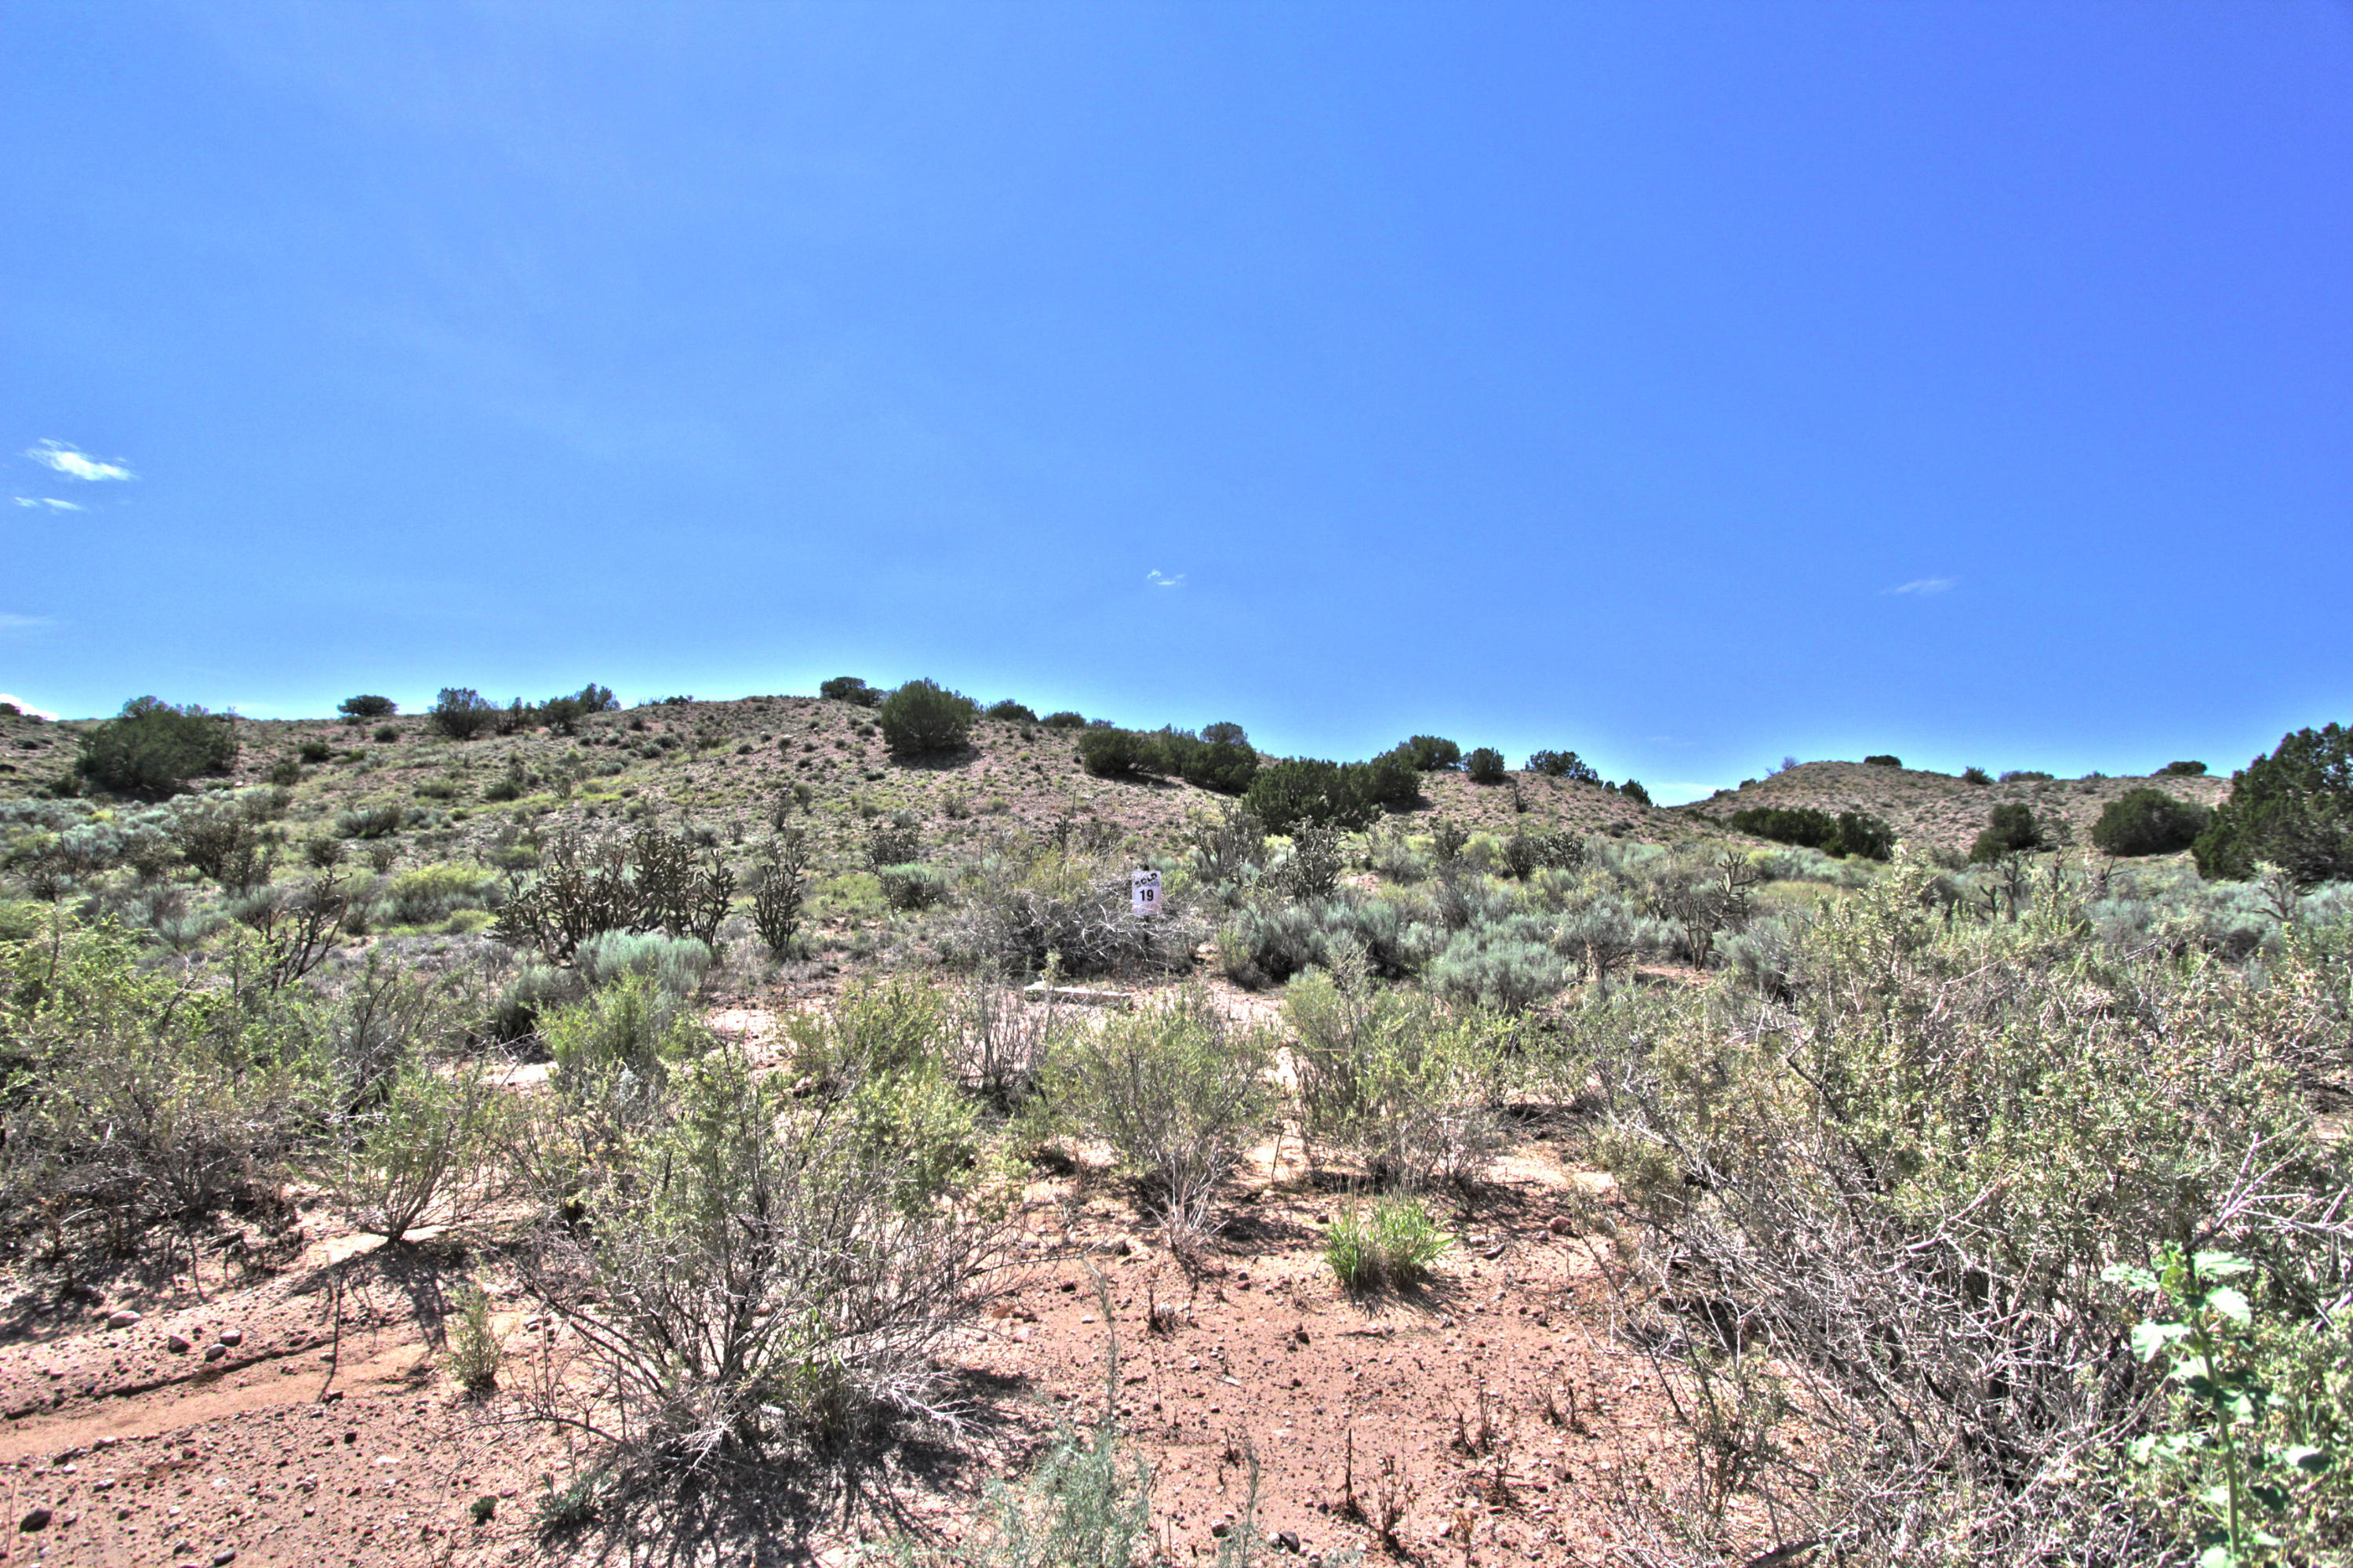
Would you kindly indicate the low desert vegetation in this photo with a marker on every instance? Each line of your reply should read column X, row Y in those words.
column 1983, row 1207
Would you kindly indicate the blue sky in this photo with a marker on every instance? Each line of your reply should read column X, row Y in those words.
column 1687, row 385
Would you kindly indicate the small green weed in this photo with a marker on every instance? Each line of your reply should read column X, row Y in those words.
column 1394, row 1244
column 2233, row 1418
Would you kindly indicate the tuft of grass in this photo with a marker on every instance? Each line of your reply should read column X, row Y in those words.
column 474, row 1349
column 1394, row 1244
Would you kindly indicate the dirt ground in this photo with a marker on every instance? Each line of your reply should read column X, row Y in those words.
column 288, row 1409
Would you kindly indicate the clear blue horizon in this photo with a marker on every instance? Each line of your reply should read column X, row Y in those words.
column 1684, row 386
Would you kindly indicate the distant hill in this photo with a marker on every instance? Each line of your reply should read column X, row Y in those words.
column 721, row 763
column 1939, row 809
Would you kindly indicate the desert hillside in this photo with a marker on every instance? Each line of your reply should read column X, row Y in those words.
column 1941, row 810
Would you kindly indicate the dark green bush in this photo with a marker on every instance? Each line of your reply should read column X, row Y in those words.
column 2010, row 829
column 1391, row 779
column 1847, row 833
column 2025, row 776
column 368, row 821
column 1112, row 753
column 1284, row 794
column 1976, row 776
column 1526, row 852
column 1065, row 719
column 2191, row 769
column 1563, row 765
column 1866, row 837
column 153, row 748
column 2149, row 822
column 286, row 772
column 1433, row 754
column 356, row 709
column 1012, row 712
column 1633, row 789
column 1485, row 765
column 2292, row 809
column 911, row 886
column 1218, row 759
column 1883, row 760
column 563, row 715
column 1788, row 824
column 461, row 713
column 923, row 719
column 385, row 734
column 314, row 751
column 850, row 689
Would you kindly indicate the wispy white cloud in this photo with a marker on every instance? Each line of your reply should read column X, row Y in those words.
column 1925, row 585
column 74, row 463
column 21, row 707
column 51, row 502
column 1160, row 579
column 23, row 622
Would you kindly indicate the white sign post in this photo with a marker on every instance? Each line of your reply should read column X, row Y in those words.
column 1144, row 893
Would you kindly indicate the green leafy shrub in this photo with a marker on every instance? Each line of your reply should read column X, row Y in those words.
column 1285, row 794
column 1084, row 1504
column 1883, row 761
column 1433, row 754
column 2026, row 775
column 1175, row 1087
column 1864, row 836
column 359, row 709
column 1065, row 719
column 1110, row 752
column 675, row 965
column 461, row 713
column 1526, row 851
column 425, row 893
column 2230, row 1421
column 912, row 885
column 1976, row 776
column 1220, row 759
column 373, row 822
column 2010, row 829
column 2292, row 808
column 1392, row 1246
column 851, row 690
column 1389, row 779
column 2191, row 769
column 1485, row 765
column 756, row 1277
column 1849, row 832
column 1387, row 1077
column 1011, row 712
column 1505, row 965
column 563, row 715
column 1563, row 765
column 2149, row 822
column 314, row 751
column 2034, row 1113
column 631, row 1025
column 1786, row 825
column 923, row 718
column 1633, row 789
column 476, row 1354
column 417, row 1157
column 534, row 990
column 152, row 748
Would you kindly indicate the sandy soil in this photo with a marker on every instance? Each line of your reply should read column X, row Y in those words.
column 295, row 1413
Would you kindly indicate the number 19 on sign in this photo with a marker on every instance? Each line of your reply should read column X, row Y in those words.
column 1144, row 893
